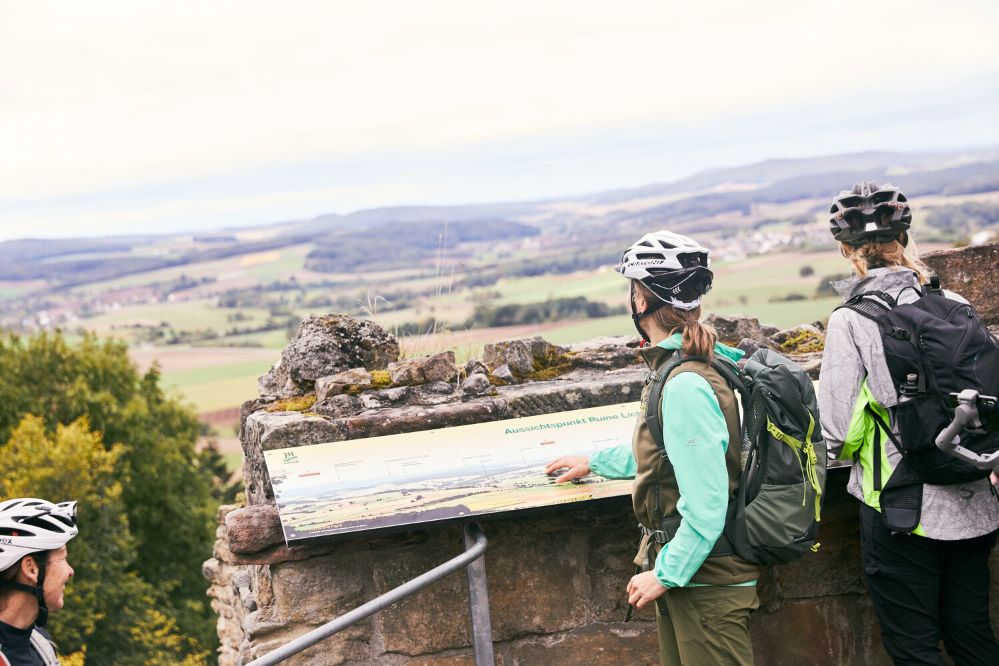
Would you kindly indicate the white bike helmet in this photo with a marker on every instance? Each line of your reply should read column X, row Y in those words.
column 29, row 526
column 674, row 267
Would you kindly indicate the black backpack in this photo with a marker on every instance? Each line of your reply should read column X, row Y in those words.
column 934, row 347
column 775, row 514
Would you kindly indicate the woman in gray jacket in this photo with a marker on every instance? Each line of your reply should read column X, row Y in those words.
column 931, row 584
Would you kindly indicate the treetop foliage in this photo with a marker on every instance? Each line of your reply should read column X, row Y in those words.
column 79, row 422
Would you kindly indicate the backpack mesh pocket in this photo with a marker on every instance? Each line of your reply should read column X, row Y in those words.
column 920, row 420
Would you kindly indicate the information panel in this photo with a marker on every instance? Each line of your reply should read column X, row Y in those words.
column 435, row 475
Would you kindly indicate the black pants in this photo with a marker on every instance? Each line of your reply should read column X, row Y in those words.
column 925, row 590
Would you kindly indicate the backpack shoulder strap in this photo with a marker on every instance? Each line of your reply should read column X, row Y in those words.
column 44, row 648
column 657, row 382
column 874, row 309
column 737, row 380
column 733, row 376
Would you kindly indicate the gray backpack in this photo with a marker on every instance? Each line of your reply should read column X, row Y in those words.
column 775, row 514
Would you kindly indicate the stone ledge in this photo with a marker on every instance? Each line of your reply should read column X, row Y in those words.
column 264, row 431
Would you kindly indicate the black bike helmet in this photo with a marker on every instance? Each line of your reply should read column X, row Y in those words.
column 869, row 213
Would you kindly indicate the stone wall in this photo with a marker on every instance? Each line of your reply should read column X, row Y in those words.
column 556, row 576
column 971, row 272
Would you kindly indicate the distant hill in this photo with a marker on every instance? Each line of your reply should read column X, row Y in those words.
column 714, row 200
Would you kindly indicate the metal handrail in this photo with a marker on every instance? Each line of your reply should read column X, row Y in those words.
column 476, row 544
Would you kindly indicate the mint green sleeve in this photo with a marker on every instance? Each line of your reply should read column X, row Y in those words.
column 696, row 438
column 616, row 462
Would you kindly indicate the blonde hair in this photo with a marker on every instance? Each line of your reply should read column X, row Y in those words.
column 698, row 338
column 887, row 254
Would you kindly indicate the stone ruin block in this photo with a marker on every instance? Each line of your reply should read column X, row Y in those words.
column 971, row 272
column 593, row 645
column 424, row 369
column 325, row 345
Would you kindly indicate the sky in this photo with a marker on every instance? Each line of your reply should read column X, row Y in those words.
column 125, row 117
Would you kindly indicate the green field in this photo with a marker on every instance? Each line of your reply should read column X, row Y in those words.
column 600, row 285
column 257, row 267
column 276, row 339
column 213, row 380
column 10, row 290
column 751, row 287
column 181, row 315
column 217, row 394
column 214, row 373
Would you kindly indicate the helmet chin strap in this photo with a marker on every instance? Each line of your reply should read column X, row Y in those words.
column 637, row 317
column 43, row 609
column 38, row 590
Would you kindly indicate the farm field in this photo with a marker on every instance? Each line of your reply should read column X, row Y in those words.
column 216, row 377
column 211, row 379
column 192, row 314
column 12, row 289
column 758, row 286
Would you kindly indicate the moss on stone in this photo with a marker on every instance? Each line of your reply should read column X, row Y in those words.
column 552, row 365
column 380, row 379
column 295, row 404
column 803, row 343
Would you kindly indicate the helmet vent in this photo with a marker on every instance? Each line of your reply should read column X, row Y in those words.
column 692, row 259
column 68, row 522
column 36, row 521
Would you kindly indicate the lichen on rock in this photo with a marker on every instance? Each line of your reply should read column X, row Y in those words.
column 732, row 329
column 801, row 339
column 293, row 404
column 326, row 345
column 423, row 369
column 351, row 381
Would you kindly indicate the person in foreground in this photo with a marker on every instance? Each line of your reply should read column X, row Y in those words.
column 703, row 601
column 928, row 582
column 33, row 574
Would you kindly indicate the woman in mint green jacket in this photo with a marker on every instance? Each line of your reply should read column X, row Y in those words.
column 703, row 601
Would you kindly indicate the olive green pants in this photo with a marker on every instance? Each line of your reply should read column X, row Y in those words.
column 706, row 626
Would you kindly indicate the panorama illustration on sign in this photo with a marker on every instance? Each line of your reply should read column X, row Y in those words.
column 435, row 475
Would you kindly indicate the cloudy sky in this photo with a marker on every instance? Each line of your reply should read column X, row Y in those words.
column 123, row 117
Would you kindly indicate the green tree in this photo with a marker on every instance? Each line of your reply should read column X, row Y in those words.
column 168, row 497
column 112, row 614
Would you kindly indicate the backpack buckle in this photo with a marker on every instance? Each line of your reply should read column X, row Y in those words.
column 659, row 536
column 899, row 333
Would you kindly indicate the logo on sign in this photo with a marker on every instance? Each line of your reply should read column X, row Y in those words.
column 290, row 457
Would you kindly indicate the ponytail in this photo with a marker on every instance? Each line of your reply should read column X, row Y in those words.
column 698, row 338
